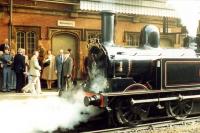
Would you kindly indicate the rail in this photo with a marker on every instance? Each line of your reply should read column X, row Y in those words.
column 151, row 126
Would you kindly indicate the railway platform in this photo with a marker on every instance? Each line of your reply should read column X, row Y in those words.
column 13, row 95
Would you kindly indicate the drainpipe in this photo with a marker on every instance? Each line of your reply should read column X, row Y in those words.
column 165, row 25
column 10, row 22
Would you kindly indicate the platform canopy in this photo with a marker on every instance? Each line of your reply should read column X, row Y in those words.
column 138, row 7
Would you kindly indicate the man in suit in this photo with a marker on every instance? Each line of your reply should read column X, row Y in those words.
column 5, row 45
column 34, row 72
column 19, row 68
column 67, row 71
column 58, row 65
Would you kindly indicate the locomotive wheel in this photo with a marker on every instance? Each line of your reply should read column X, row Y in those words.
column 127, row 114
column 179, row 109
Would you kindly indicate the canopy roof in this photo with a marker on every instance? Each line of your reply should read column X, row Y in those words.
column 139, row 7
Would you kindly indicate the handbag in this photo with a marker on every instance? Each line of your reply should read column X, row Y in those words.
column 46, row 63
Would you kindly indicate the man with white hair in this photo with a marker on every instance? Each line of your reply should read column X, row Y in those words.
column 19, row 68
column 59, row 59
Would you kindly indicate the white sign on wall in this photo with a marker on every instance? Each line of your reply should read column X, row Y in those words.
column 66, row 23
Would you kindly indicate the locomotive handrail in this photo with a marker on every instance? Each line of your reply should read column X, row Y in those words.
column 179, row 97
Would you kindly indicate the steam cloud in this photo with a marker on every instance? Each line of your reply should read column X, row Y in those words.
column 97, row 79
column 99, row 84
column 39, row 114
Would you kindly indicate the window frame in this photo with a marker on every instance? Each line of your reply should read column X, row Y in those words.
column 97, row 35
column 135, row 38
column 28, row 30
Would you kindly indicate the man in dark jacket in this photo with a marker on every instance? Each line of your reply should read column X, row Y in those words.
column 19, row 68
column 67, row 71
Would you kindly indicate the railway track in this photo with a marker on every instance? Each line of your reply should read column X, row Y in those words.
column 144, row 128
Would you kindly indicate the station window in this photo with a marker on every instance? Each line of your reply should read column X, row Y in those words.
column 20, row 40
column 27, row 38
column 132, row 39
column 31, row 36
column 93, row 35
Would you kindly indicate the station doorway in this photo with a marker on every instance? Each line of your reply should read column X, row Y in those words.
column 66, row 41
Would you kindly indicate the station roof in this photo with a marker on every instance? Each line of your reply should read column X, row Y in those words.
column 138, row 7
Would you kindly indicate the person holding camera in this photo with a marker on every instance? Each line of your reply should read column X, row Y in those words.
column 48, row 73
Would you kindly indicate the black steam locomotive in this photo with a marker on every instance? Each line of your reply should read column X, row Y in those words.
column 138, row 78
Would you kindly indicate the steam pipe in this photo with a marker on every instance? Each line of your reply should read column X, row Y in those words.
column 107, row 27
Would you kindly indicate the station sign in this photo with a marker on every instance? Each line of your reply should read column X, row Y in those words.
column 65, row 23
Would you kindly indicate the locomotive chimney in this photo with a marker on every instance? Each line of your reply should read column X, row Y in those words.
column 107, row 27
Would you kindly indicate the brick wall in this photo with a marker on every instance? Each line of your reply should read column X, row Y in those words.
column 44, row 21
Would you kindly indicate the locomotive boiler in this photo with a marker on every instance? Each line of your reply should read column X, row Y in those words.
column 139, row 78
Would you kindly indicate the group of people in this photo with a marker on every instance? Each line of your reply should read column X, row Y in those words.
column 58, row 68
column 26, row 74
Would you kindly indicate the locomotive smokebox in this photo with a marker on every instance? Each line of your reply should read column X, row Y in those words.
column 107, row 27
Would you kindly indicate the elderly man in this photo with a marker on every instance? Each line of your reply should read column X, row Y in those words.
column 34, row 72
column 58, row 66
column 19, row 68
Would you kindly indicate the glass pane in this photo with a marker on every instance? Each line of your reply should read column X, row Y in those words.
column 31, row 38
column 132, row 39
column 20, row 39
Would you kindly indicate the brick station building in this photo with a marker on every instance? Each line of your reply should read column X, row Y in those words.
column 57, row 24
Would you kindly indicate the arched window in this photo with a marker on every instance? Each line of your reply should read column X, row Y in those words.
column 27, row 38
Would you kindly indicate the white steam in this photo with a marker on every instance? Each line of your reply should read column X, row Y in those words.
column 188, row 11
column 99, row 84
column 97, row 79
column 39, row 114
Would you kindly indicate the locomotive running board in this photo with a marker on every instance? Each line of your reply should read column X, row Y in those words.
column 179, row 97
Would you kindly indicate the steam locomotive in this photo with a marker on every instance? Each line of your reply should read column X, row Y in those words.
column 139, row 78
